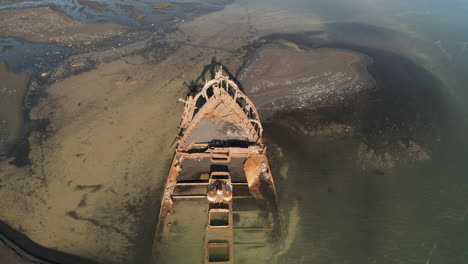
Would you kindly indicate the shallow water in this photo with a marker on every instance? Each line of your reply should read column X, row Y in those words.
column 357, row 211
column 413, row 212
column 392, row 191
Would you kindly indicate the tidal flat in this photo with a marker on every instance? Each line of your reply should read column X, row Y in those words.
column 92, row 186
column 43, row 24
column 281, row 78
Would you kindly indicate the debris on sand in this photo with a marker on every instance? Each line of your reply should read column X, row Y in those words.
column 78, row 63
column 286, row 78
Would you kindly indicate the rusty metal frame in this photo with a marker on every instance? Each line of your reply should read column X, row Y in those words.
column 220, row 86
column 256, row 167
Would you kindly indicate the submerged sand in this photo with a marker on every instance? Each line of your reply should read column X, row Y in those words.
column 13, row 86
column 327, row 91
column 94, row 5
column 91, row 180
column 44, row 24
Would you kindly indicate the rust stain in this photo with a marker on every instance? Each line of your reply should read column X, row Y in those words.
column 253, row 171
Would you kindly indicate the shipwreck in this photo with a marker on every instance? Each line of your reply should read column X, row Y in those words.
column 219, row 203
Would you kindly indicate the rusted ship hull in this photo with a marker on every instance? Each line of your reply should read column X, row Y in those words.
column 219, row 203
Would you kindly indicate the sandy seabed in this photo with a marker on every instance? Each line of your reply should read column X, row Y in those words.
column 281, row 78
column 12, row 89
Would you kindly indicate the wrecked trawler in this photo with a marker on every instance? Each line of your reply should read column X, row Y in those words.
column 219, row 203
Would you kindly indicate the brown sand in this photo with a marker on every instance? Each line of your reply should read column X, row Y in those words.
column 135, row 14
column 12, row 89
column 94, row 5
column 43, row 24
column 285, row 78
column 160, row 5
column 108, row 152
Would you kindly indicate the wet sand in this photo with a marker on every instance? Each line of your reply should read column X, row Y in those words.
column 12, row 89
column 315, row 88
column 43, row 24
column 94, row 5
column 280, row 78
column 161, row 5
column 102, row 164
